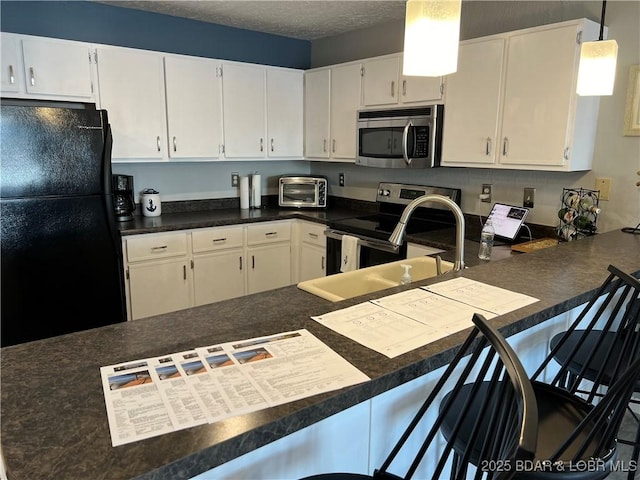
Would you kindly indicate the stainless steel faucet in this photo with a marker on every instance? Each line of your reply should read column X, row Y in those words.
column 397, row 237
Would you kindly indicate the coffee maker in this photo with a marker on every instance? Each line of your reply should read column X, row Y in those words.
column 123, row 201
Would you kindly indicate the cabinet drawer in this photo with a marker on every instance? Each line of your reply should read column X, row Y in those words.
column 313, row 233
column 156, row 246
column 268, row 233
column 209, row 239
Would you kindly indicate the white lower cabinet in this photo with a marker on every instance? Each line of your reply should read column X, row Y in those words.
column 218, row 264
column 158, row 274
column 268, row 256
column 313, row 251
column 173, row 271
column 159, row 287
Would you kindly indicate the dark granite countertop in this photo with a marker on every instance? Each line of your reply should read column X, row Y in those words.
column 54, row 422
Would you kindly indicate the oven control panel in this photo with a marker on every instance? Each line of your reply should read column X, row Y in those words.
column 403, row 194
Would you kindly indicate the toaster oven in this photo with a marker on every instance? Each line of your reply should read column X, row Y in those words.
column 302, row 191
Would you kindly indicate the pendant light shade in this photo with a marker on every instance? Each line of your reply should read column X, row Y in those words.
column 431, row 37
column 597, row 69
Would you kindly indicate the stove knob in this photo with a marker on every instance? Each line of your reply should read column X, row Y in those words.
column 386, row 193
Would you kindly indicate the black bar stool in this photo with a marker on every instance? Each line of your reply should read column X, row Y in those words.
column 600, row 344
column 581, row 409
column 504, row 433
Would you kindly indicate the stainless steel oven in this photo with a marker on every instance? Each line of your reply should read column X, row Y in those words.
column 373, row 230
column 302, row 191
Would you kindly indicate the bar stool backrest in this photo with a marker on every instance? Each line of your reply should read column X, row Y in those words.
column 508, row 419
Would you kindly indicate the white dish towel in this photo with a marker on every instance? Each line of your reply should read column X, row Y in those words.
column 350, row 253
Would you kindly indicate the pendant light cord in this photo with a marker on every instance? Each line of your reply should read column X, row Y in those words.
column 604, row 9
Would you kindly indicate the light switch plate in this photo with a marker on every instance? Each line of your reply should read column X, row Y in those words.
column 604, row 185
column 529, row 197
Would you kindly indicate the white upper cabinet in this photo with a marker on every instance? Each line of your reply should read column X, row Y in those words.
column 194, row 107
column 317, row 91
column 263, row 111
column 540, row 125
column 473, row 104
column 132, row 91
column 10, row 57
column 384, row 84
column 38, row 67
column 285, row 116
column 345, row 102
column 244, row 110
column 530, row 77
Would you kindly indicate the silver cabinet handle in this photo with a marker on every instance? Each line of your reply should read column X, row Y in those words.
column 488, row 145
column 12, row 79
column 262, row 145
column 158, row 142
column 334, row 146
column 505, row 146
column 184, row 272
column 393, row 88
column 162, row 247
column 175, row 146
column 272, row 144
column 270, row 234
column 313, row 235
column 219, row 240
column 253, row 261
column 324, row 145
column 32, row 76
column 322, row 263
column 566, row 154
column 240, row 258
column 404, row 88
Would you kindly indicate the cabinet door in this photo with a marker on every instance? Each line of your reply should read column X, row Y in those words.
column 218, row 276
column 269, row 267
column 243, row 100
column 285, row 103
column 59, row 68
column 420, row 89
column 539, row 97
column 11, row 77
column 345, row 101
column 313, row 262
column 159, row 287
column 380, row 81
column 132, row 91
column 194, row 112
column 317, row 85
column 470, row 133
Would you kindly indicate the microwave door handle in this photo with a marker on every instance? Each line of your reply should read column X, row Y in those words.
column 405, row 137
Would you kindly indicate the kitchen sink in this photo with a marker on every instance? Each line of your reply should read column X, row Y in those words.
column 371, row 279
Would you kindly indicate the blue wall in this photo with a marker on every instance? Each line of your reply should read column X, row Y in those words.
column 98, row 23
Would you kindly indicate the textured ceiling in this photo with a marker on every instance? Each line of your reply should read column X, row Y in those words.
column 305, row 20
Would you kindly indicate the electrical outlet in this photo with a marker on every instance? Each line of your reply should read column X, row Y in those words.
column 604, row 185
column 235, row 179
column 529, row 197
column 485, row 196
column 341, row 179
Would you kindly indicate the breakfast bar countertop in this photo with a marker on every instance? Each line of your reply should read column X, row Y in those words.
column 54, row 421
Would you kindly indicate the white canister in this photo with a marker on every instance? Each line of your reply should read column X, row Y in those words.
column 150, row 203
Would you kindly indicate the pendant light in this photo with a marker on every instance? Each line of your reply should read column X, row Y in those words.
column 597, row 70
column 431, row 37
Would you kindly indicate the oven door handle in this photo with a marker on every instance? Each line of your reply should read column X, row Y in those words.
column 405, row 138
column 369, row 242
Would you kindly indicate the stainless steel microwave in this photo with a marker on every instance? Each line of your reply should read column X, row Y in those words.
column 302, row 191
column 400, row 137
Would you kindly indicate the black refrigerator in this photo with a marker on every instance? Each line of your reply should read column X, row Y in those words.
column 61, row 250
